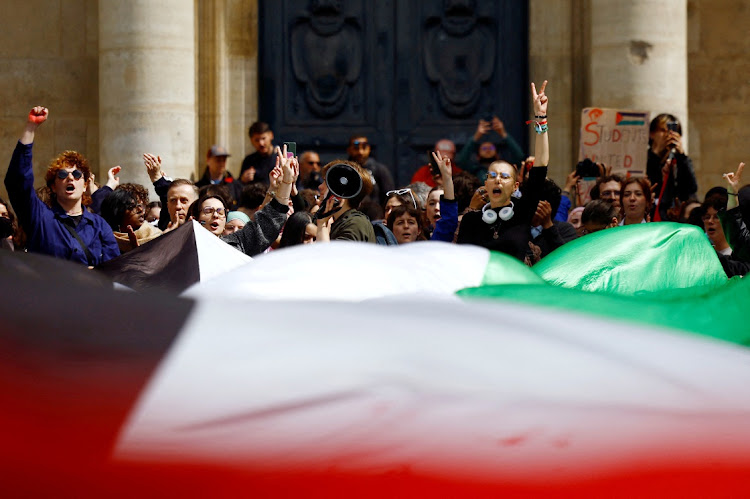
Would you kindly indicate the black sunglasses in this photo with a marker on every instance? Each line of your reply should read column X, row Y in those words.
column 62, row 174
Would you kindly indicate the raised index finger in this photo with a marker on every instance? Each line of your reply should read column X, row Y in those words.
column 544, row 85
column 533, row 91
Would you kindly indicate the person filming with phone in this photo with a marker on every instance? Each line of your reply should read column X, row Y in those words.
column 669, row 167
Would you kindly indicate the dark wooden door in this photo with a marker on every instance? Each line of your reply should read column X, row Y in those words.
column 403, row 73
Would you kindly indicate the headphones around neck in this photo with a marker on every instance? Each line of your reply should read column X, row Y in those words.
column 490, row 217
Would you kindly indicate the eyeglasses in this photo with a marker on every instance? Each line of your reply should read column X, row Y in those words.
column 358, row 143
column 401, row 192
column 63, row 174
column 488, row 147
column 209, row 210
column 502, row 175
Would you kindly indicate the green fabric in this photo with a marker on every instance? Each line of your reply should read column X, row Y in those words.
column 653, row 258
column 504, row 269
column 719, row 312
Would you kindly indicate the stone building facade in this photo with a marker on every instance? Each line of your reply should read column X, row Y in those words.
column 174, row 76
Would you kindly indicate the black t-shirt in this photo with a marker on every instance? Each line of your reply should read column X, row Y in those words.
column 507, row 236
column 262, row 164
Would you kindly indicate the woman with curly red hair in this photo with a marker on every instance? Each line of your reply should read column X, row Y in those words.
column 63, row 228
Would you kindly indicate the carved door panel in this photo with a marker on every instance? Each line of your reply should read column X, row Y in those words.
column 403, row 73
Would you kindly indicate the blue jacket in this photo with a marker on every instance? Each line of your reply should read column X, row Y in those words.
column 44, row 226
column 445, row 227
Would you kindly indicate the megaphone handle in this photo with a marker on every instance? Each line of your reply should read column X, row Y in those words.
column 327, row 214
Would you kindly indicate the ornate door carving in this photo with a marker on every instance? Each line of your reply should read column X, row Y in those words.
column 403, row 73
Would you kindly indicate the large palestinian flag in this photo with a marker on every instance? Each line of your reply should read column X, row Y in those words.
column 415, row 390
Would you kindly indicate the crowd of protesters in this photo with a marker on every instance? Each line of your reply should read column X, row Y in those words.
column 487, row 194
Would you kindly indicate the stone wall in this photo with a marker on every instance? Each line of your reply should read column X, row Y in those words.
column 718, row 88
column 49, row 57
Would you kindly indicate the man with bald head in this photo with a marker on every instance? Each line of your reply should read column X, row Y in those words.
column 430, row 174
column 309, row 171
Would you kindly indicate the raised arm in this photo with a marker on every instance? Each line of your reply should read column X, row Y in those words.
column 734, row 181
column 37, row 116
column 541, row 146
column 19, row 178
column 446, row 226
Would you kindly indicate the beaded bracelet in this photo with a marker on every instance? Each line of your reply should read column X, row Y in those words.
column 541, row 127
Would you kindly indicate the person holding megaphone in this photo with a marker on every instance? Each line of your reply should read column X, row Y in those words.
column 347, row 184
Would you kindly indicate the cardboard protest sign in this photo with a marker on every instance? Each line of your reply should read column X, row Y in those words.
column 617, row 138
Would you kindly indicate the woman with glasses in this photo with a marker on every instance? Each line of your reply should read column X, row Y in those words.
column 211, row 212
column 503, row 223
column 257, row 234
column 126, row 215
column 62, row 228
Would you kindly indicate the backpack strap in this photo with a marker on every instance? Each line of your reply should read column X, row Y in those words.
column 68, row 224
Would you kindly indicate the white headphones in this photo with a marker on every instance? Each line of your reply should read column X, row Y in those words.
column 490, row 217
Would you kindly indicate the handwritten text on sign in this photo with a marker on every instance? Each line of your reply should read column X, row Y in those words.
column 616, row 138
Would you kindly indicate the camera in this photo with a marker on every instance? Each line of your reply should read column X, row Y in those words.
column 673, row 126
column 588, row 168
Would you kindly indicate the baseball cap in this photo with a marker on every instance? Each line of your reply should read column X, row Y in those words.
column 217, row 151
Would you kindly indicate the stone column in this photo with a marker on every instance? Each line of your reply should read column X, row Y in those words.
column 228, row 75
column 639, row 56
column 147, row 86
column 557, row 52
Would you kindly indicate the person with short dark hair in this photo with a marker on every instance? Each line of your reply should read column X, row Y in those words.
column 257, row 166
column 406, row 224
column 65, row 229
column 359, row 151
column 349, row 224
column 608, row 188
column 251, row 199
column 176, row 196
column 714, row 206
column 598, row 215
column 180, row 195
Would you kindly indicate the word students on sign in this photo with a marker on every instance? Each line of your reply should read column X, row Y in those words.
column 617, row 138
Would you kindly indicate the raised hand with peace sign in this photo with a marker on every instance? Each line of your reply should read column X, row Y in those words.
column 541, row 146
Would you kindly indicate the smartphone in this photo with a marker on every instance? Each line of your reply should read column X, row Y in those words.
column 673, row 126
column 291, row 149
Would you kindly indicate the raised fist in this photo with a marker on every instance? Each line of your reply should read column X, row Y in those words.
column 38, row 115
